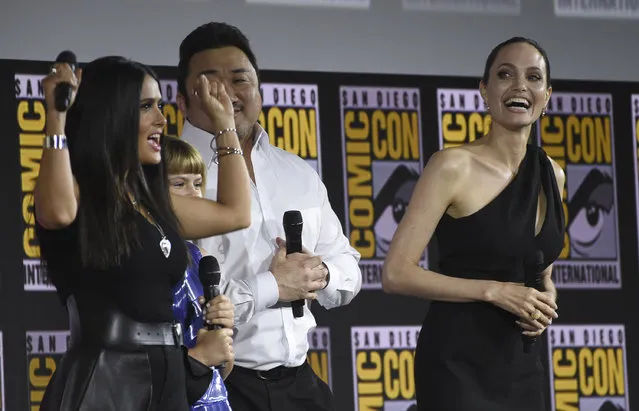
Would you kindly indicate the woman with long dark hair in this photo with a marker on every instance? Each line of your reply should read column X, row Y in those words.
column 111, row 236
column 495, row 206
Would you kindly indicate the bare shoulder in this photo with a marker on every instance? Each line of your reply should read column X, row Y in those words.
column 450, row 163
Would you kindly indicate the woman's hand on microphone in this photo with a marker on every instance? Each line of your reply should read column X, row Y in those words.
column 529, row 327
column 218, row 311
column 60, row 73
column 535, row 308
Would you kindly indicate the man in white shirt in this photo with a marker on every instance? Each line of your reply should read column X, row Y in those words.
column 270, row 345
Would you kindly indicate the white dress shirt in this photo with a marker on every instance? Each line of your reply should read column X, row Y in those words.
column 267, row 335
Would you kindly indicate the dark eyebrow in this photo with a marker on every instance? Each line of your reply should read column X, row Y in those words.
column 234, row 71
column 512, row 66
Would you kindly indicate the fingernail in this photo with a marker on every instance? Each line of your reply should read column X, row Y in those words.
column 208, row 305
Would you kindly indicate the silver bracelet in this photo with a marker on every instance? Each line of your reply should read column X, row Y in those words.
column 56, row 142
column 225, row 151
column 226, row 130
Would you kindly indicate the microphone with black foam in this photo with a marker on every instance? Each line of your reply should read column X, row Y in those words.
column 293, row 229
column 63, row 91
column 210, row 276
column 533, row 279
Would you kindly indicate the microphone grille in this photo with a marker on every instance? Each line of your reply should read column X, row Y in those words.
column 209, row 270
column 292, row 217
column 68, row 57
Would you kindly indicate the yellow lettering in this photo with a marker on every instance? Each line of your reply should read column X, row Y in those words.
column 391, row 385
column 40, row 372
column 308, row 133
column 368, row 366
column 360, row 190
column 174, row 120
column 293, row 130
column 38, row 116
column 30, row 160
column 356, row 133
column 364, row 242
column 588, row 140
column 565, row 372
column 359, row 176
column 454, row 135
column 464, row 127
column 319, row 363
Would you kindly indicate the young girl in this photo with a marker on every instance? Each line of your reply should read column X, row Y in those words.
column 187, row 175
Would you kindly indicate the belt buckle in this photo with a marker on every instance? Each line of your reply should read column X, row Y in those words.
column 177, row 333
column 260, row 376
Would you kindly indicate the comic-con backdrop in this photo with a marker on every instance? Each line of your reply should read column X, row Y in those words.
column 369, row 137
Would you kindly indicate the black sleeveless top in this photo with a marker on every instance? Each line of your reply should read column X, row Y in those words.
column 498, row 240
column 140, row 286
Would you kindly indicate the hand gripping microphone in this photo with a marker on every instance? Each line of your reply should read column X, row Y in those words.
column 63, row 91
column 210, row 275
column 533, row 280
column 293, row 229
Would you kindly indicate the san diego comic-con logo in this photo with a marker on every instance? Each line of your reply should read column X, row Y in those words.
column 462, row 117
column 588, row 367
column 31, row 119
column 383, row 362
column 45, row 350
column 381, row 141
column 577, row 133
column 290, row 116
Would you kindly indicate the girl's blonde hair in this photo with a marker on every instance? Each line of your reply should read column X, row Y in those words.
column 182, row 158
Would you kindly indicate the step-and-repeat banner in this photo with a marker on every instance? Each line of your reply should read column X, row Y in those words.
column 369, row 137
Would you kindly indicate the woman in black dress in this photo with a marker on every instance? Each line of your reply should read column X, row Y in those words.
column 495, row 207
column 111, row 237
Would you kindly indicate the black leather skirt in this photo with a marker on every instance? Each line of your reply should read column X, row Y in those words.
column 115, row 363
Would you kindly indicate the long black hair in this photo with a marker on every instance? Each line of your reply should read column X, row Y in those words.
column 102, row 131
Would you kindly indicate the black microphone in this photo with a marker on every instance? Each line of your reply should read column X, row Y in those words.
column 210, row 278
column 63, row 91
column 533, row 279
column 210, row 275
column 293, row 229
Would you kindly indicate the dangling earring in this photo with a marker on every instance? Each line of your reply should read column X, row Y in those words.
column 486, row 107
column 543, row 111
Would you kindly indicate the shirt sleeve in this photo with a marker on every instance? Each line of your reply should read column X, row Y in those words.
column 341, row 259
column 251, row 295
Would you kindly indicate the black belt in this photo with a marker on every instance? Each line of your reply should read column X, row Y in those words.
column 110, row 328
column 273, row 374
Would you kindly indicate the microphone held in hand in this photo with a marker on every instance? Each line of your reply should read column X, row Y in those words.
column 533, row 279
column 293, row 229
column 63, row 91
column 210, row 275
